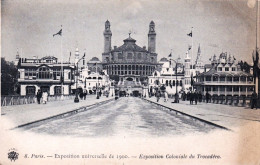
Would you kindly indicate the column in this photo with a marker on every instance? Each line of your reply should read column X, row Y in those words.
column 246, row 90
column 239, row 89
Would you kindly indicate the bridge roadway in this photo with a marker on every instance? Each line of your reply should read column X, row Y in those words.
column 128, row 117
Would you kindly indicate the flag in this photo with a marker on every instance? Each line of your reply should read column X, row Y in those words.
column 170, row 55
column 189, row 47
column 190, row 34
column 84, row 55
column 59, row 33
column 95, row 64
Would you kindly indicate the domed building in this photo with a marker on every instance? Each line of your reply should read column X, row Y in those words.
column 129, row 64
column 94, row 65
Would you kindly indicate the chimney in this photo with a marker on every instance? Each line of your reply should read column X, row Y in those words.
column 144, row 47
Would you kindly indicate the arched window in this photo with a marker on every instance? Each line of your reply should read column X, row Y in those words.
column 166, row 82
column 44, row 73
column 173, row 83
column 120, row 56
column 177, row 82
column 180, row 82
column 129, row 56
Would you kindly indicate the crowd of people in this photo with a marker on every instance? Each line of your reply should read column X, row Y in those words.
column 182, row 95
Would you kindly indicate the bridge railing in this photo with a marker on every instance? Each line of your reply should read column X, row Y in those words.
column 20, row 100
column 229, row 100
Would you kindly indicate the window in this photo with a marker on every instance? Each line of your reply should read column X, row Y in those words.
column 30, row 90
column 120, row 56
column 233, row 68
column 215, row 78
column 219, row 68
column 180, row 82
column 139, row 56
column 57, row 90
column 44, row 73
column 222, row 78
column 129, row 56
column 226, row 68
column 208, row 78
column 236, row 79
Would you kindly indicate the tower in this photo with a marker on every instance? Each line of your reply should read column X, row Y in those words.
column 76, row 55
column 107, row 37
column 152, row 38
column 17, row 58
column 187, row 73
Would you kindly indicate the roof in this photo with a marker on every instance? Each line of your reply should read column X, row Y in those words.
column 213, row 71
column 164, row 59
column 207, row 66
column 129, row 45
column 48, row 57
column 94, row 59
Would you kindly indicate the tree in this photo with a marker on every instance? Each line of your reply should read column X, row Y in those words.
column 9, row 74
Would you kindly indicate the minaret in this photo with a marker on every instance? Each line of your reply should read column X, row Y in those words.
column 152, row 38
column 187, row 62
column 107, row 37
column 76, row 55
column 17, row 58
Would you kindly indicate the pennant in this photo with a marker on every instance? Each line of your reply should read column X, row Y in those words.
column 190, row 34
column 59, row 33
column 170, row 55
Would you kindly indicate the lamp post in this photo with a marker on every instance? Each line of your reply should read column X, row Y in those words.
column 176, row 101
column 76, row 100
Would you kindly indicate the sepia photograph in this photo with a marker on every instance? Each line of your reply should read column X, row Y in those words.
column 130, row 82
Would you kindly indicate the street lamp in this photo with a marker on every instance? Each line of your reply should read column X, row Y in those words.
column 76, row 100
column 176, row 101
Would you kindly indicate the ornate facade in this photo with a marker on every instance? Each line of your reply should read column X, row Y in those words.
column 129, row 64
column 46, row 74
column 225, row 78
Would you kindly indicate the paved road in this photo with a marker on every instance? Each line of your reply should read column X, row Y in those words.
column 128, row 117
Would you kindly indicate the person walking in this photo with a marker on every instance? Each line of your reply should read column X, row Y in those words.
column 39, row 96
column 165, row 96
column 254, row 100
column 191, row 97
column 207, row 97
column 85, row 94
column 44, row 97
column 158, row 94
column 196, row 96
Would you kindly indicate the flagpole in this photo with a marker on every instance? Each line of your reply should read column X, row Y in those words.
column 62, row 71
column 256, row 78
column 97, row 83
column 192, row 48
column 171, row 68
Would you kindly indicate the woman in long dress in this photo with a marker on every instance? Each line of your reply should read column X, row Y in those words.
column 44, row 97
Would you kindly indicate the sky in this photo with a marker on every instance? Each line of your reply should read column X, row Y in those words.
column 218, row 26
